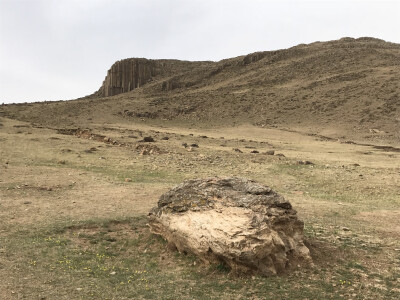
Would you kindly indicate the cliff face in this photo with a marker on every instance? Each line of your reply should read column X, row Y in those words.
column 126, row 75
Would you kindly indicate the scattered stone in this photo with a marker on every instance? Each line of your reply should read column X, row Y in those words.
column 237, row 150
column 280, row 155
column 91, row 150
column 148, row 149
column 374, row 130
column 304, row 162
column 234, row 221
column 185, row 145
column 148, row 139
column 27, row 202
column 345, row 229
column 254, row 151
column 270, row 152
column 165, row 138
column 194, row 145
column 204, row 137
column 128, row 179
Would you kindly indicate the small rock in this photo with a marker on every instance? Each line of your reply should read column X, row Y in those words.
column 185, row 145
column 345, row 229
column 27, row 202
column 254, row 151
column 128, row 180
column 165, row 138
column 280, row 155
column 237, row 150
column 194, row 145
column 148, row 139
column 270, row 152
column 304, row 162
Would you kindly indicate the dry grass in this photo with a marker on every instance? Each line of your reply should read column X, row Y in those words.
column 73, row 227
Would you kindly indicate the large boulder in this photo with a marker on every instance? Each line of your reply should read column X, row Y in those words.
column 234, row 221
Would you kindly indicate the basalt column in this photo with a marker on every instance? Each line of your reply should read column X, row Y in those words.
column 126, row 75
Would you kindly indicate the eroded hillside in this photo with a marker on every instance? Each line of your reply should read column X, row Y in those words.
column 349, row 87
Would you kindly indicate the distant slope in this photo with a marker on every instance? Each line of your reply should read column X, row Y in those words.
column 348, row 86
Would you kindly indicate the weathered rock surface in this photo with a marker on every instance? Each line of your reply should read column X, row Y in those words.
column 131, row 73
column 234, row 221
column 128, row 74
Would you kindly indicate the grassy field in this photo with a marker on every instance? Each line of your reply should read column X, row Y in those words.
column 73, row 212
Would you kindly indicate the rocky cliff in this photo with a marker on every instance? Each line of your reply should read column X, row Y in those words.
column 126, row 75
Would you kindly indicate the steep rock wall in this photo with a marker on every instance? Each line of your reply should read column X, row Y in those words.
column 128, row 74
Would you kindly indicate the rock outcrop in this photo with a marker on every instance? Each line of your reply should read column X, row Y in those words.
column 126, row 75
column 131, row 73
column 234, row 221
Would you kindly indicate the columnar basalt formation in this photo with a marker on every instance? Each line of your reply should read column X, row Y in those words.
column 127, row 75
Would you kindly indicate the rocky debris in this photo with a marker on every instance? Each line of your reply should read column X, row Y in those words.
column 280, row 155
column 234, row 221
column 165, row 138
column 255, row 151
column 237, row 150
column 194, row 145
column 146, row 149
column 185, row 145
column 87, row 134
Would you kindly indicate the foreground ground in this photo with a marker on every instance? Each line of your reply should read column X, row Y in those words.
column 73, row 207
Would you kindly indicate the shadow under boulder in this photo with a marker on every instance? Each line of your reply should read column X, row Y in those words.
column 234, row 221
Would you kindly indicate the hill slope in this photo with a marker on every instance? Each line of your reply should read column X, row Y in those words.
column 344, row 87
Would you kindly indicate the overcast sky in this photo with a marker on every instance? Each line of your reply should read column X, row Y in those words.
column 62, row 49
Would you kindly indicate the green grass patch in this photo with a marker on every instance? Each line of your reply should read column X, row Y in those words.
column 121, row 259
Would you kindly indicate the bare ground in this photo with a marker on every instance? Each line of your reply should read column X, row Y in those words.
column 64, row 187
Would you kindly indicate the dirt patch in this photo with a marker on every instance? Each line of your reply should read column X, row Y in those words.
column 386, row 221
